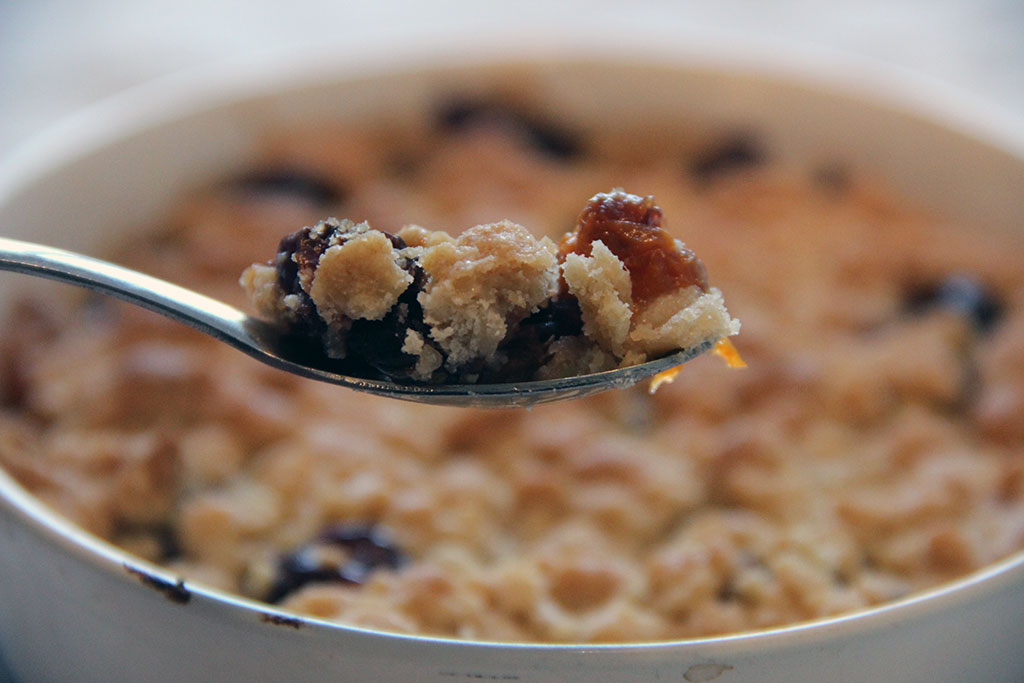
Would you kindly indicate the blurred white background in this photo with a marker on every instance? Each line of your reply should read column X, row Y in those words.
column 58, row 55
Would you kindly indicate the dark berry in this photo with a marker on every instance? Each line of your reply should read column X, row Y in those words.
column 962, row 294
column 548, row 137
column 378, row 343
column 291, row 183
column 364, row 549
column 527, row 346
column 561, row 317
column 734, row 153
column 297, row 255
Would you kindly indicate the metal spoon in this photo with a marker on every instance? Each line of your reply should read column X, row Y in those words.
column 263, row 340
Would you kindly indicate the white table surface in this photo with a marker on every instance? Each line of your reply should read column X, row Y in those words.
column 57, row 56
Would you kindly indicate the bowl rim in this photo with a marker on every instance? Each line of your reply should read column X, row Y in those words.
column 168, row 98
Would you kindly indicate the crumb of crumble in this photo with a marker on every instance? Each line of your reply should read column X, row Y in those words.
column 681, row 320
column 418, row 236
column 260, row 284
column 359, row 278
column 428, row 359
column 480, row 284
column 600, row 282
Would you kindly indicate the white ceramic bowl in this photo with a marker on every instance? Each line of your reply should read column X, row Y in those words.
column 75, row 608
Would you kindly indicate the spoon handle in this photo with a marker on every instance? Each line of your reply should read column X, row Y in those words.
column 196, row 310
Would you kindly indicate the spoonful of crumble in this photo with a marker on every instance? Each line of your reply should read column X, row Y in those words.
column 493, row 317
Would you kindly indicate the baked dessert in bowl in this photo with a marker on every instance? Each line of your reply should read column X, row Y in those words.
column 860, row 472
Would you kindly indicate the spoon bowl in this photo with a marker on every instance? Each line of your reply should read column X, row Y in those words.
column 265, row 342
